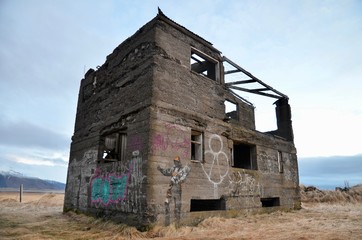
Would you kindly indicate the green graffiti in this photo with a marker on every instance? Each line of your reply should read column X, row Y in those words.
column 119, row 186
column 100, row 190
column 109, row 189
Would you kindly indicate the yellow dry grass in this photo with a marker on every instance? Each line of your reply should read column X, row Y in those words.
column 312, row 194
column 40, row 216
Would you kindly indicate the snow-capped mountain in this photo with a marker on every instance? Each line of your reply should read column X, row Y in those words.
column 12, row 179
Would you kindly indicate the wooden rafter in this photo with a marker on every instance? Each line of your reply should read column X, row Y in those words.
column 261, row 91
column 251, row 91
column 240, row 82
column 197, row 60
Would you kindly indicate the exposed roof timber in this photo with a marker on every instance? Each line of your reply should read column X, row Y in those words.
column 240, row 82
column 252, row 80
column 197, row 60
column 232, row 71
column 260, row 89
column 256, row 92
column 241, row 98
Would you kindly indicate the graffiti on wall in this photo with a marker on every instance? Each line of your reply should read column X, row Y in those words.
column 108, row 188
column 218, row 168
column 178, row 174
column 136, row 180
column 174, row 140
column 90, row 156
column 81, row 170
column 136, row 143
column 243, row 184
column 113, row 188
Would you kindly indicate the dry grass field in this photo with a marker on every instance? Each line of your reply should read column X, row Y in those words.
column 324, row 215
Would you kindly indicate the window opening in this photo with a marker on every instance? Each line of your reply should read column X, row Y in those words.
column 270, row 202
column 203, row 64
column 196, row 146
column 114, row 147
column 280, row 162
column 231, row 110
column 244, row 156
column 198, row 205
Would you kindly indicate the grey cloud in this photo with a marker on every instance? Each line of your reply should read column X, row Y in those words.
column 26, row 134
column 331, row 165
column 329, row 172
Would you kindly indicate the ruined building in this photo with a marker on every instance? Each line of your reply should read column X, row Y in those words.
column 162, row 136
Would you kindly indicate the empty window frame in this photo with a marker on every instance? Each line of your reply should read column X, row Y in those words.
column 244, row 156
column 280, row 162
column 270, row 202
column 204, row 64
column 114, row 147
column 231, row 110
column 196, row 146
column 198, row 205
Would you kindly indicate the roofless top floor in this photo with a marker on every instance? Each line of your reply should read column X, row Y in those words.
column 167, row 63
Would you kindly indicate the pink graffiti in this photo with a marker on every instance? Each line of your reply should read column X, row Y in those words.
column 173, row 140
column 160, row 142
column 136, row 143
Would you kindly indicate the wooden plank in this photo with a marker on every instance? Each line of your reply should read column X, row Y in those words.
column 240, row 97
column 197, row 60
column 240, row 82
column 251, row 91
column 260, row 89
column 281, row 95
column 238, row 67
column 232, row 71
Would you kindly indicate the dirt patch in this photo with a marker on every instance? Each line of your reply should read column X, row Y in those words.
column 40, row 217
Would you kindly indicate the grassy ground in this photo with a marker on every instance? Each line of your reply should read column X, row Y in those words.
column 40, row 216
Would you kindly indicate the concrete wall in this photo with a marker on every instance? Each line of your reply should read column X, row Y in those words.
column 184, row 101
column 114, row 98
column 147, row 90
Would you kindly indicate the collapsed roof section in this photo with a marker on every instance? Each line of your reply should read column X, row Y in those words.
column 251, row 84
column 236, row 78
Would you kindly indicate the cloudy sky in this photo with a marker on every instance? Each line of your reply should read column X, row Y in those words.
column 308, row 50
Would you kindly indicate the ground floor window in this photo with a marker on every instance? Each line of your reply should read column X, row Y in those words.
column 270, row 202
column 114, row 147
column 198, row 205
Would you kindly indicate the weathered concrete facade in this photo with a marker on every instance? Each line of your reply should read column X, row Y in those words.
column 161, row 94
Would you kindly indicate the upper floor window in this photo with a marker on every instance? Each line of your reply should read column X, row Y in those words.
column 280, row 162
column 204, row 64
column 231, row 110
column 244, row 156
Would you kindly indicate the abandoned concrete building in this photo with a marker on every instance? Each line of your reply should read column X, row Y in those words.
column 155, row 141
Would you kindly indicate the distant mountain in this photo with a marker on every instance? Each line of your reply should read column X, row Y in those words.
column 13, row 179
